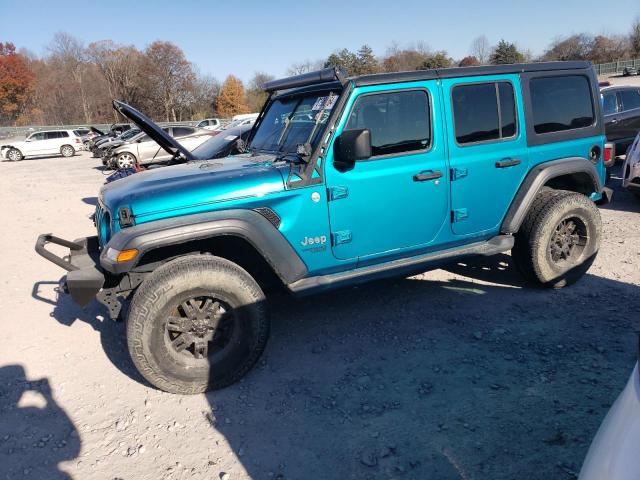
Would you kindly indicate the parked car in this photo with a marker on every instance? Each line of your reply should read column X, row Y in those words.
column 209, row 124
column 101, row 146
column 115, row 130
column 46, row 142
column 614, row 452
column 621, row 108
column 344, row 180
column 143, row 151
column 245, row 116
column 631, row 168
column 628, row 71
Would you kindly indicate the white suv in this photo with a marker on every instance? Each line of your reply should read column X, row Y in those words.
column 47, row 142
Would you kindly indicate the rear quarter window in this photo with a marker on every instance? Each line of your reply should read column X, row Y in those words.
column 561, row 103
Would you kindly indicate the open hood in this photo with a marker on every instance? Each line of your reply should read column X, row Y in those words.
column 95, row 130
column 144, row 123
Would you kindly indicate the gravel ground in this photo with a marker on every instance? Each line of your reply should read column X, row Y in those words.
column 460, row 373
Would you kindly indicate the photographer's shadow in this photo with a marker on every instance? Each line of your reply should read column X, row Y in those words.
column 35, row 432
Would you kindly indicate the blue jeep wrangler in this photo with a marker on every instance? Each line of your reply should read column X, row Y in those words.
column 343, row 180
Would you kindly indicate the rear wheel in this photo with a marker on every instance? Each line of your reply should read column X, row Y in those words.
column 197, row 323
column 125, row 160
column 67, row 151
column 14, row 155
column 559, row 239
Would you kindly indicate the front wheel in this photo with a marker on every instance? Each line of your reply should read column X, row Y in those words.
column 125, row 160
column 559, row 239
column 197, row 323
column 14, row 155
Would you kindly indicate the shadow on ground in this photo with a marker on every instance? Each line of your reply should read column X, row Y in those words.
column 35, row 433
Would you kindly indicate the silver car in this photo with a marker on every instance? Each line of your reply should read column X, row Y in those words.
column 631, row 168
column 615, row 451
column 143, row 150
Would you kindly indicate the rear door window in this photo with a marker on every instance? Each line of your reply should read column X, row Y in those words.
column 630, row 98
column 609, row 103
column 484, row 112
column 561, row 103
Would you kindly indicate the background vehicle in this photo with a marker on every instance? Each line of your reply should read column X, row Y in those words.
column 344, row 180
column 110, row 142
column 209, row 124
column 48, row 142
column 628, row 71
column 224, row 144
column 613, row 454
column 621, row 109
column 245, row 116
column 143, row 151
column 631, row 168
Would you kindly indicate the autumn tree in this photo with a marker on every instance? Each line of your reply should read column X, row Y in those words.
column 469, row 61
column 506, row 52
column 573, row 47
column 16, row 83
column 402, row 59
column 256, row 96
column 231, row 100
column 170, row 77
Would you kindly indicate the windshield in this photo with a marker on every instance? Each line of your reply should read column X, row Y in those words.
column 292, row 121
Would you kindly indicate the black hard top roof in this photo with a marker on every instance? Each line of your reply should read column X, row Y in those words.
column 332, row 75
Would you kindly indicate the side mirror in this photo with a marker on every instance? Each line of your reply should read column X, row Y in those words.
column 351, row 146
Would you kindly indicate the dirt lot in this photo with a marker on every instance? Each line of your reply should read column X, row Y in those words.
column 455, row 374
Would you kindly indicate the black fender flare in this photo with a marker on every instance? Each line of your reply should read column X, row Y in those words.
column 246, row 224
column 538, row 177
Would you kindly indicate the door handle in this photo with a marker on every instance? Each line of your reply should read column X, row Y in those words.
column 507, row 162
column 427, row 175
column 614, row 120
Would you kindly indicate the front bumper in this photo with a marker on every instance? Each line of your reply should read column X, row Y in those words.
column 85, row 277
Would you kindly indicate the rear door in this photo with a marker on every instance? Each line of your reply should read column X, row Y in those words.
column 610, row 111
column 487, row 149
column 629, row 120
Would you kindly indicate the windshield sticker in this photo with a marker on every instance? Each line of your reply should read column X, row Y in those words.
column 319, row 103
column 331, row 101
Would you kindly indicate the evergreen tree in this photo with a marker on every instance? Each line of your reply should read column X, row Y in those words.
column 366, row 61
column 506, row 52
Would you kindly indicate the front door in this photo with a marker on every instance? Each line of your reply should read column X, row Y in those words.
column 397, row 200
column 488, row 152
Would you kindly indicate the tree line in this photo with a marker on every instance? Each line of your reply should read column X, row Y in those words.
column 74, row 83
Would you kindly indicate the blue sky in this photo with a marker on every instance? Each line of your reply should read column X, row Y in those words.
column 241, row 37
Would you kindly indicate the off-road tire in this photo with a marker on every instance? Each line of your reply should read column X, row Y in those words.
column 67, row 151
column 162, row 292
column 14, row 155
column 533, row 251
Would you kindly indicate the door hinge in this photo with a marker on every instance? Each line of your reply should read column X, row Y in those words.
column 459, row 214
column 340, row 237
column 458, row 173
column 338, row 192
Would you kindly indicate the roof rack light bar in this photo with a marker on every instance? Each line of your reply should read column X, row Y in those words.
column 319, row 76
